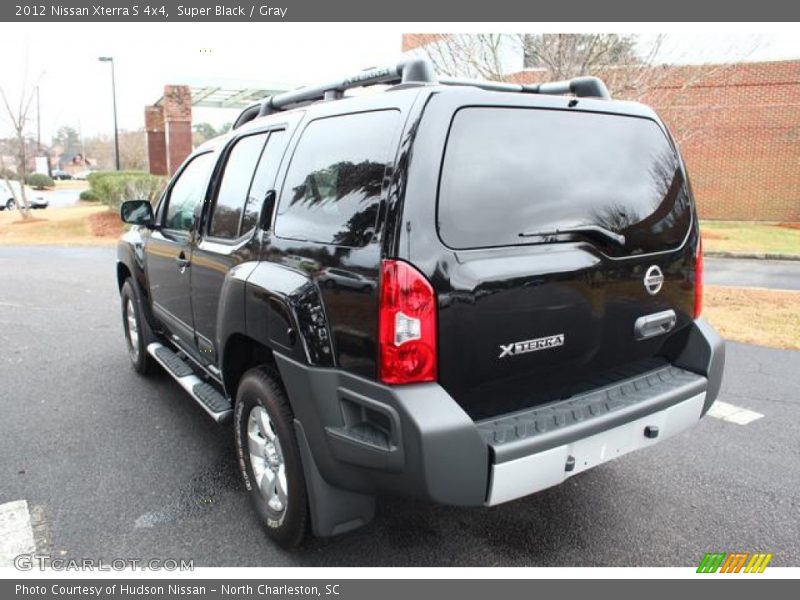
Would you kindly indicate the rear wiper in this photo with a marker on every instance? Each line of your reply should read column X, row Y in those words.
column 587, row 230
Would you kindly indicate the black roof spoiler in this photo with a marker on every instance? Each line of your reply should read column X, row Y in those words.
column 416, row 71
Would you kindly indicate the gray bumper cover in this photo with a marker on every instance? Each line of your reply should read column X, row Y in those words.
column 427, row 446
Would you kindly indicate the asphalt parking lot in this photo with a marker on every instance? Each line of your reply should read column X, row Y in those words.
column 113, row 465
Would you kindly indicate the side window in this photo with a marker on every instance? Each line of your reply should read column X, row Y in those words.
column 187, row 193
column 332, row 190
column 264, row 179
column 236, row 179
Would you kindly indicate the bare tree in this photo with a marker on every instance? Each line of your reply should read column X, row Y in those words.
column 567, row 55
column 19, row 118
column 559, row 56
column 467, row 55
column 631, row 65
column 132, row 150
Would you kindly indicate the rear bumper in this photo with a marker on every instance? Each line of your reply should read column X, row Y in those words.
column 368, row 438
column 540, row 470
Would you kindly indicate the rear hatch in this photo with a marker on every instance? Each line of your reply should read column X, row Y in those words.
column 563, row 228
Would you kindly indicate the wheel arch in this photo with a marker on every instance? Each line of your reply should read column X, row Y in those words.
column 240, row 354
column 130, row 265
column 123, row 273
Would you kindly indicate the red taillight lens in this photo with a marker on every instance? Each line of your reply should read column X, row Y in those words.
column 698, row 280
column 407, row 325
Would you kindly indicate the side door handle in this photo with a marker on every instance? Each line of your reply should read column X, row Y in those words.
column 183, row 262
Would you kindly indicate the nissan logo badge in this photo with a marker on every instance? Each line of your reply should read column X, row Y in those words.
column 653, row 280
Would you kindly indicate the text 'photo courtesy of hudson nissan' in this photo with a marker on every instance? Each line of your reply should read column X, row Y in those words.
column 463, row 291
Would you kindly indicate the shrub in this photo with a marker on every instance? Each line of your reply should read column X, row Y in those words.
column 88, row 196
column 114, row 187
column 38, row 181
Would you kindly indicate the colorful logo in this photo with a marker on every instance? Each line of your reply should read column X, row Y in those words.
column 735, row 562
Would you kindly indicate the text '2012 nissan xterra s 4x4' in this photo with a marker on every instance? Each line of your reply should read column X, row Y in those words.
column 463, row 291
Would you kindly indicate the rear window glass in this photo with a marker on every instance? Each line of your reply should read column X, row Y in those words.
column 333, row 187
column 520, row 176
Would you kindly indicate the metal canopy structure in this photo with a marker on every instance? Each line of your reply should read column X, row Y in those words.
column 212, row 96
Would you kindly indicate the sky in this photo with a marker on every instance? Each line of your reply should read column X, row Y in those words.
column 75, row 88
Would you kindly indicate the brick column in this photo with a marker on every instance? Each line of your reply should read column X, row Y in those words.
column 178, row 120
column 156, row 139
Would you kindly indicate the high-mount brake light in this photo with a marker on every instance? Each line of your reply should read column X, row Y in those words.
column 407, row 325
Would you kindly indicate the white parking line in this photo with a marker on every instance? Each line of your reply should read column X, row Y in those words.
column 732, row 413
column 16, row 533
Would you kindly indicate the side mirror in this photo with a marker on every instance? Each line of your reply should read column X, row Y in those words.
column 137, row 212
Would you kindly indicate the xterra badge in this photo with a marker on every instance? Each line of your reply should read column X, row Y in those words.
column 545, row 343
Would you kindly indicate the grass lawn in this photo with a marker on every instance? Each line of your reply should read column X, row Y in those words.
column 754, row 315
column 759, row 238
column 73, row 226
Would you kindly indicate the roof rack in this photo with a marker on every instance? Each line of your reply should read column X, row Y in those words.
column 417, row 71
column 582, row 87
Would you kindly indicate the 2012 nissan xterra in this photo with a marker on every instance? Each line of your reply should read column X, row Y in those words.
column 464, row 291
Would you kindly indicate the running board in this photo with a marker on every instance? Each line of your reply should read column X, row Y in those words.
column 206, row 395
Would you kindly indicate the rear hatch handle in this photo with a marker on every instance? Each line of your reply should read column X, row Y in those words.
column 655, row 324
column 587, row 230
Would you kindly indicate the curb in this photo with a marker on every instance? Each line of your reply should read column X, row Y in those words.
column 753, row 255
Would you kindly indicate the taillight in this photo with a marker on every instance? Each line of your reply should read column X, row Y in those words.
column 407, row 325
column 698, row 279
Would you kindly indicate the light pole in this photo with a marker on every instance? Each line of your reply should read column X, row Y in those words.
column 110, row 59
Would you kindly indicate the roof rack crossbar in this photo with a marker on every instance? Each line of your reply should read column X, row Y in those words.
column 414, row 71
column 417, row 70
column 583, row 87
column 493, row 86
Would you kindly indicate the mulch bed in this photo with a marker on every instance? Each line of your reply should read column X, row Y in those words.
column 105, row 224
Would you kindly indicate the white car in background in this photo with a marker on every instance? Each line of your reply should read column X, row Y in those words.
column 333, row 277
column 7, row 197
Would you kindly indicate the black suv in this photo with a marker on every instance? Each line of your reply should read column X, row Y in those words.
column 464, row 291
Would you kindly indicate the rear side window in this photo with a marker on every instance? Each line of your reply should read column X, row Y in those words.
column 519, row 176
column 235, row 184
column 264, row 179
column 333, row 187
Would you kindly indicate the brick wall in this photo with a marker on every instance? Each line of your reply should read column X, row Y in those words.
column 738, row 127
column 156, row 139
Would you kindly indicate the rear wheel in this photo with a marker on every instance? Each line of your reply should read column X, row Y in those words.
column 269, row 457
column 137, row 332
column 11, row 204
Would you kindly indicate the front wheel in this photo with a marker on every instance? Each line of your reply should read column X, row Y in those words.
column 137, row 331
column 11, row 204
column 269, row 457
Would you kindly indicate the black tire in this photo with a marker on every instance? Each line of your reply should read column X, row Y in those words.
column 11, row 204
column 330, row 284
column 137, row 349
column 259, row 389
